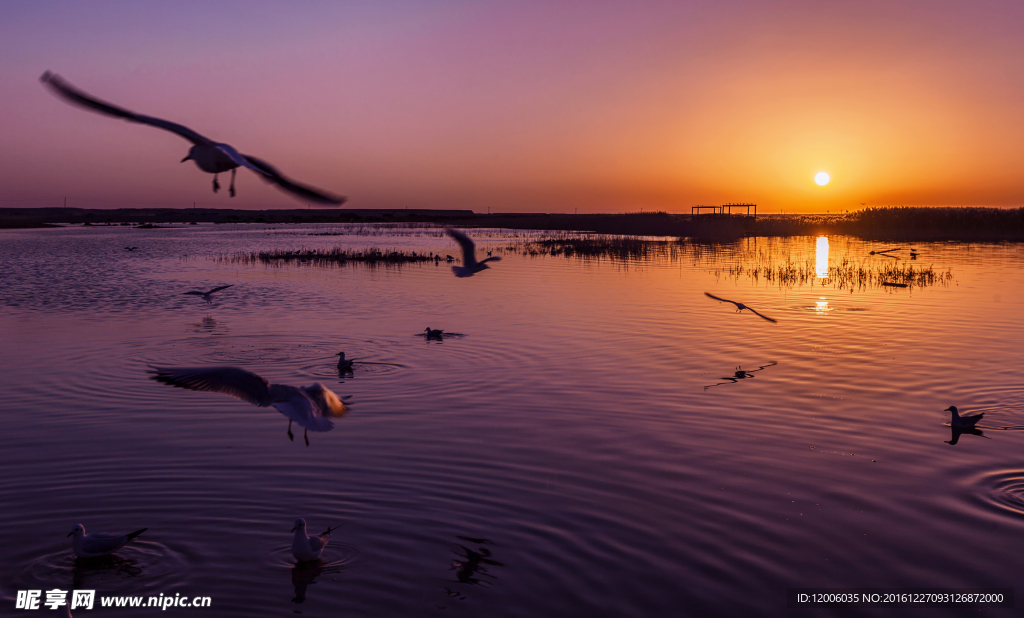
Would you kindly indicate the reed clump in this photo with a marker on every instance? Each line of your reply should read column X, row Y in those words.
column 845, row 273
column 372, row 256
column 914, row 223
column 597, row 246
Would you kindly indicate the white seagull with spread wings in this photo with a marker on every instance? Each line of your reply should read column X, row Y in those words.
column 469, row 266
column 208, row 155
column 306, row 405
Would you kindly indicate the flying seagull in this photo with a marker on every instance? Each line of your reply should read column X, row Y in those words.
column 306, row 405
column 208, row 155
column 469, row 266
column 207, row 296
column 739, row 306
column 305, row 547
column 93, row 545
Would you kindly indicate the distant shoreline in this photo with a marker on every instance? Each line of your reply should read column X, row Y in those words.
column 889, row 223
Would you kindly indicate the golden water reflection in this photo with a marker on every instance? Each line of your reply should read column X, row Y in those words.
column 821, row 257
column 821, row 305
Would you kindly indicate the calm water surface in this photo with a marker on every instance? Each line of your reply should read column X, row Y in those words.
column 563, row 457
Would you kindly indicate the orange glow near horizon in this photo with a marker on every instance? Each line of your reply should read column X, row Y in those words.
column 525, row 107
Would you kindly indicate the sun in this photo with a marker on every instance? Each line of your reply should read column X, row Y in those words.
column 821, row 178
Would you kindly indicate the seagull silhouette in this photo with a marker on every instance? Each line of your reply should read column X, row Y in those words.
column 94, row 545
column 207, row 296
column 344, row 364
column 961, row 422
column 469, row 266
column 208, row 155
column 740, row 307
column 307, row 405
column 306, row 547
column 433, row 333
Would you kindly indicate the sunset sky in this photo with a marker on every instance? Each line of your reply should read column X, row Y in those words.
column 523, row 106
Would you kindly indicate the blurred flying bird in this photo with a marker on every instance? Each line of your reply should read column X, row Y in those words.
column 93, row 545
column 306, row 405
column 305, row 547
column 469, row 264
column 740, row 306
column 130, row 248
column 208, row 155
column 207, row 296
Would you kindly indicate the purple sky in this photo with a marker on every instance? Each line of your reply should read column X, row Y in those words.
column 523, row 106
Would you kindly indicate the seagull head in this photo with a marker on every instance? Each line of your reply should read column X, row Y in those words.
column 341, row 354
column 191, row 154
column 951, row 409
column 300, row 524
column 78, row 528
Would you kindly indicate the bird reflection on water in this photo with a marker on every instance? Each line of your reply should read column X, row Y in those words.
column 304, row 574
column 85, row 569
column 470, row 565
column 959, row 431
column 740, row 374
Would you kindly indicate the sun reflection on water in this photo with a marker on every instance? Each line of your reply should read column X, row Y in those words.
column 821, row 257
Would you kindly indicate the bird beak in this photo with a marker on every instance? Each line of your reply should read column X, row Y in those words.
column 187, row 158
column 294, row 528
column 70, row 533
column 949, row 409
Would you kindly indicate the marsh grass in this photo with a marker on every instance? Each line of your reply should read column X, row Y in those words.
column 372, row 257
column 845, row 273
column 774, row 265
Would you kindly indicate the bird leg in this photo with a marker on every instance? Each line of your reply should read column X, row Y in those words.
column 216, row 185
column 305, row 436
column 290, row 435
column 231, row 189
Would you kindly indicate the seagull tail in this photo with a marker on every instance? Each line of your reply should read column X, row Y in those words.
column 136, row 533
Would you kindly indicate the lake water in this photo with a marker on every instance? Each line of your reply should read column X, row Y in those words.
column 579, row 451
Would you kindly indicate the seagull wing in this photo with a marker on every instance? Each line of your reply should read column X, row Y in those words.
column 270, row 174
column 724, row 300
column 75, row 96
column 237, row 383
column 761, row 316
column 468, row 247
column 317, row 543
column 223, row 287
column 103, row 543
